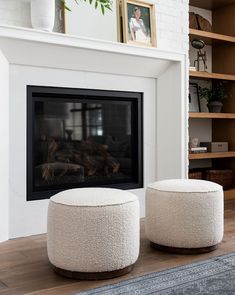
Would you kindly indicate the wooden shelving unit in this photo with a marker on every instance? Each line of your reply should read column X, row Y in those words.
column 222, row 40
column 212, row 155
column 210, row 38
column 212, row 116
column 206, row 75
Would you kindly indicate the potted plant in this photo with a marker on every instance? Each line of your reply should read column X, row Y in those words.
column 214, row 96
column 104, row 4
column 43, row 12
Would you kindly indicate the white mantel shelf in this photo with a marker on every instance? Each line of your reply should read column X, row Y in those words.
column 38, row 48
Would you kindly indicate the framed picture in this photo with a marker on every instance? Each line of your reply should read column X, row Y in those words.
column 194, row 101
column 138, row 22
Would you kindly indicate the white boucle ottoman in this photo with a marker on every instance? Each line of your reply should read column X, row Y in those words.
column 93, row 233
column 184, row 216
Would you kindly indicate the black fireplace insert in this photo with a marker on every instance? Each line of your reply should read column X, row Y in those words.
column 83, row 138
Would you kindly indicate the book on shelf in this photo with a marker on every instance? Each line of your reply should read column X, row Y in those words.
column 197, row 150
column 191, row 68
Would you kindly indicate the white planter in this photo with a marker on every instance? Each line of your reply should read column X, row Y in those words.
column 43, row 14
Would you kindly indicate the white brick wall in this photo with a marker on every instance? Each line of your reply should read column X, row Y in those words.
column 172, row 20
column 172, row 23
column 15, row 12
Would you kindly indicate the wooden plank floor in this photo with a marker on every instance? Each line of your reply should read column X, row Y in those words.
column 24, row 267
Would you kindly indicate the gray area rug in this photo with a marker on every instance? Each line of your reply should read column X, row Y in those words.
column 213, row 276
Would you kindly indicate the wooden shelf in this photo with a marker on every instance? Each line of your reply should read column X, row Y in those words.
column 210, row 4
column 229, row 194
column 211, row 155
column 212, row 115
column 206, row 75
column 209, row 37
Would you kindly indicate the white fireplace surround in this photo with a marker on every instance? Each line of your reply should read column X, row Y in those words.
column 29, row 57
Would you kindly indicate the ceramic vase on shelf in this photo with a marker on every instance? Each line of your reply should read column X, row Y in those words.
column 43, row 14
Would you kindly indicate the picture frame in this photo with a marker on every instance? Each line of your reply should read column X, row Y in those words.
column 194, row 100
column 137, row 22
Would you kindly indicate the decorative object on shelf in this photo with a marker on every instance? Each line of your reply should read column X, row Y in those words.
column 193, row 142
column 201, row 56
column 194, row 101
column 223, row 177
column 194, row 147
column 215, row 147
column 43, row 14
column 192, row 68
column 197, row 150
column 137, row 22
column 193, row 24
column 59, row 25
column 104, row 4
column 44, row 19
column 195, row 175
column 214, row 96
column 198, row 22
column 203, row 24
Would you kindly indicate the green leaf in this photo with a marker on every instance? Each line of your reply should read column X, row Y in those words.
column 108, row 7
column 104, row 4
column 65, row 6
column 102, row 8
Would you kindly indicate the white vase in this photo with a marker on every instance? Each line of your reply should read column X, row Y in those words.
column 43, row 14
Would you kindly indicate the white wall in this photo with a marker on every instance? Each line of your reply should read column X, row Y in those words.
column 15, row 13
column 4, row 147
column 172, row 25
column 171, row 119
column 84, row 20
column 172, row 21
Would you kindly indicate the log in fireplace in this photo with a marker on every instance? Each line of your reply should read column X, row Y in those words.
column 81, row 138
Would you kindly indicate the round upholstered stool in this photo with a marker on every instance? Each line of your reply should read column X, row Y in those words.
column 93, row 233
column 184, row 216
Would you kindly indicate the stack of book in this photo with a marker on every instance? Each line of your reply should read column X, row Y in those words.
column 197, row 150
column 192, row 68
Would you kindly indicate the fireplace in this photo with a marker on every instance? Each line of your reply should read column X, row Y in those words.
column 83, row 138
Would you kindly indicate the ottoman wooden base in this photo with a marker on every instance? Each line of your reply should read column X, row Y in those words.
column 93, row 275
column 186, row 251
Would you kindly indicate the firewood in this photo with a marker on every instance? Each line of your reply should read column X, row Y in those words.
column 92, row 156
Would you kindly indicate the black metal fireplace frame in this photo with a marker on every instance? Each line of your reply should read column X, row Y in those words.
column 35, row 93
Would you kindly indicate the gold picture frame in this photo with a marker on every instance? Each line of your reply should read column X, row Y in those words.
column 137, row 22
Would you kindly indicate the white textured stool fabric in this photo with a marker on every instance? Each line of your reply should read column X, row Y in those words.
column 93, row 230
column 184, row 213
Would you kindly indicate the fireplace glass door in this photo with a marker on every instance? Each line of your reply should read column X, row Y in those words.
column 82, row 138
